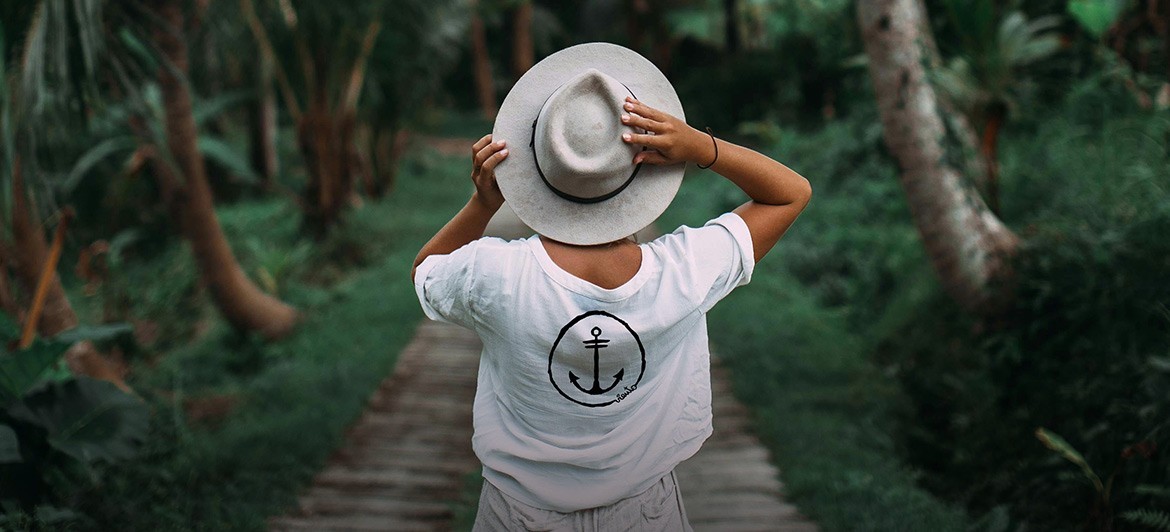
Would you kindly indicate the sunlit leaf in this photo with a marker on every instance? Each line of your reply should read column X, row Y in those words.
column 1054, row 442
column 1096, row 16
column 88, row 419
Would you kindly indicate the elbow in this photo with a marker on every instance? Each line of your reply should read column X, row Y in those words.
column 804, row 192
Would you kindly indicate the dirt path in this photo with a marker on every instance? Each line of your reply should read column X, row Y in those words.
column 404, row 460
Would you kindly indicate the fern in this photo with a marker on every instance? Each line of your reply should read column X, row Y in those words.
column 1153, row 519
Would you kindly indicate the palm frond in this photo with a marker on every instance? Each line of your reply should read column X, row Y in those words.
column 1156, row 520
column 47, row 57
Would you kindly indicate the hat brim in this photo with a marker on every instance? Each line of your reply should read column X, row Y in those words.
column 646, row 197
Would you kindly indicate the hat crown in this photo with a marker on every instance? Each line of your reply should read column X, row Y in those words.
column 577, row 137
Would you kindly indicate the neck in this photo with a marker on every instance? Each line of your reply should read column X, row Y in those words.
column 605, row 245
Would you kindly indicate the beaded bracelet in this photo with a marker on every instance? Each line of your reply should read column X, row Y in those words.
column 716, row 144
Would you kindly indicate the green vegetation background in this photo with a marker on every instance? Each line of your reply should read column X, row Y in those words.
column 885, row 406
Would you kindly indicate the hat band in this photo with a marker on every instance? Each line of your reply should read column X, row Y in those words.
column 566, row 195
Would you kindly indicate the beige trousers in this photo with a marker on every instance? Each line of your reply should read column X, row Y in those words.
column 659, row 508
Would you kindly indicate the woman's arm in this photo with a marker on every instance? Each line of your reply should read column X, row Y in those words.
column 778, row 194
column 470, row 222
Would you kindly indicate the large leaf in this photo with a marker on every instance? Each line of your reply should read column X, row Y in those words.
column 21, row 370
column 1096, row 16
column 89, row 419
column 93, row 333
column 9, row 445
column 95, row 155
column 227, row 156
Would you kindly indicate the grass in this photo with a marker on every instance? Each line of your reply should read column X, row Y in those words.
column 272, row 413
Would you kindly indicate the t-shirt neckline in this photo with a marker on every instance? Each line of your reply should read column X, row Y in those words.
column 586, row 288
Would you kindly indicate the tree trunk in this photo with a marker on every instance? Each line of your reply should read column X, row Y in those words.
column 969, row 247
column 989, row 149
column 731, row 25
column 523, row 54
column 484, row 85
column 389, row 147
column 57, row 315
column 244, row 305
column 326, row 143
column 262, row 124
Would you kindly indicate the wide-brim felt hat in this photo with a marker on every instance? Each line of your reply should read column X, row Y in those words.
column 568, row 174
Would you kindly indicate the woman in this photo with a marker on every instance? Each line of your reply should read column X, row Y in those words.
column 594, row 381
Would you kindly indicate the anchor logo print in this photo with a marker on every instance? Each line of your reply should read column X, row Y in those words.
column 596, row 360
column 596, row 345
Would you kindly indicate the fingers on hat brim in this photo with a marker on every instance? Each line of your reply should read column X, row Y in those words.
column 653, row 141
column 642, row 122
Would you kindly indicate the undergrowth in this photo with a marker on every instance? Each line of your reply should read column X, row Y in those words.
column 239, row 426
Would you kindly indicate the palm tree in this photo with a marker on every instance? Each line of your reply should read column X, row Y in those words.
column 320, row 53
column 523, row 53
column 152, row 98
column 180, row 169
column 969, row 247
column 485, row 88
column 419, row 46
column 986, row 76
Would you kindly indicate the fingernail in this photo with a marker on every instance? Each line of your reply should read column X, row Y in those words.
column 626, row 136
column 501, row 143
column 629, row 107
column 503, row 152
column 625, row 118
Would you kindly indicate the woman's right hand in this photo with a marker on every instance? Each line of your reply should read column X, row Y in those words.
column 485, row 155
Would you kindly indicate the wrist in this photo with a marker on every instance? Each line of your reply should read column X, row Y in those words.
column 489, row 205
column 706, row 151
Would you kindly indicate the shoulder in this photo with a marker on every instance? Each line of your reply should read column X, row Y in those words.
column 717, row 235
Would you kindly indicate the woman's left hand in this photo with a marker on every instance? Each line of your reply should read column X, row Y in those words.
column 670, row 140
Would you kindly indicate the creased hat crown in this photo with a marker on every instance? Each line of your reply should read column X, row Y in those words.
column 577, row 138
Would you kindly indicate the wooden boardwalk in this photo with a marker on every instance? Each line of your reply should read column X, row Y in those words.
column 403, row 462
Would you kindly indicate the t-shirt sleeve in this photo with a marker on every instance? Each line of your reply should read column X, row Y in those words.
column 443, row 284
column 718, row 257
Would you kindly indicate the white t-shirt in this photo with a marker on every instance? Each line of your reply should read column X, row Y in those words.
column 588, row 395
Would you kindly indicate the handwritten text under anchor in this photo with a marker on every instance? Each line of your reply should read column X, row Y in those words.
column 596, row 345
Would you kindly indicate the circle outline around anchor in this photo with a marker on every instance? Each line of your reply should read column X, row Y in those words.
column 561, row 335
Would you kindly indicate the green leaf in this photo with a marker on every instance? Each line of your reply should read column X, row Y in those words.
column 138, row 49
column 1161, row 492
column 1156, row 520
column 95, row 155
column 1053, row 441
column 9, row 329
column 9, row 445
column 1096, row 16
column 224, row 154
column 212, row 107
column 21, row 370
column 88, row 419
column 93, row 333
